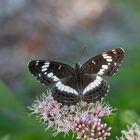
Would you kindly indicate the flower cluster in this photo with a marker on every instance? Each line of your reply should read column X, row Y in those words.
column 83, row 119
column 90, row 128
column 133, row 133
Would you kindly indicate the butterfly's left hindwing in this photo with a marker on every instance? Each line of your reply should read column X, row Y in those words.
column 106, row 63
column 49, row 72
column 65, row 91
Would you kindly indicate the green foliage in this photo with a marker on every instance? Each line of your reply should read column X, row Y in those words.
column 134, row 5
column 15, row 123
column 125, row 92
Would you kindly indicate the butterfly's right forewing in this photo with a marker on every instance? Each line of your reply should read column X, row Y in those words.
column 106, row 63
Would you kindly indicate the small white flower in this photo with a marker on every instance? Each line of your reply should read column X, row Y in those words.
column 133, row 133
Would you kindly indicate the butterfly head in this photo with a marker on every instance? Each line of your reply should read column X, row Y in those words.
column 77, row 66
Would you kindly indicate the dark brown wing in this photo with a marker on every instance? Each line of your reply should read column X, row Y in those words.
column 106, row 63
column 65, row 91
column 49, row 72
column 94, row 88
column 61, row 76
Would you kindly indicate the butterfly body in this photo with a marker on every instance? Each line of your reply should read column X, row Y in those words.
column 78, row 78
column 70, row 85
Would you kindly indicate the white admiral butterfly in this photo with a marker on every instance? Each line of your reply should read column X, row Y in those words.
column 70, row 85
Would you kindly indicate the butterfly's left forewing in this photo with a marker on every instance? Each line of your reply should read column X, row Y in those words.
column 49, row 72
column 106, row 63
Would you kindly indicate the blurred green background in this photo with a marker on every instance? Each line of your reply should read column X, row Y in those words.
column 59, row 30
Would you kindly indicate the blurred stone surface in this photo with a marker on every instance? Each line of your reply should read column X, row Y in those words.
column 9, row 7
column 57, row 30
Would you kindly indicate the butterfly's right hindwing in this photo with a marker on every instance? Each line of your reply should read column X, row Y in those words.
column 95, row 87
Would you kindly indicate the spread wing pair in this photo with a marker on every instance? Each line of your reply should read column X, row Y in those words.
column 70, row 85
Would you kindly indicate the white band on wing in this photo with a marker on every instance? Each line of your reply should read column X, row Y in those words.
column 93, row 85
column 65, row 88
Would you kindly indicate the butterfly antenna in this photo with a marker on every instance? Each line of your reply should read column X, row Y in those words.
column 64, row 59
column 83, row 50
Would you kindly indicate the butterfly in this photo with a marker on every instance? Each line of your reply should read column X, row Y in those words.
column 69, row 85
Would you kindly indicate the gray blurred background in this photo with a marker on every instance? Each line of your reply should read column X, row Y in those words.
column 59, row 30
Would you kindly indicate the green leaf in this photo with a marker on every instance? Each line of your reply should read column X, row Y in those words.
column 6, row 137
column 129, row 116
column 9, row 102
